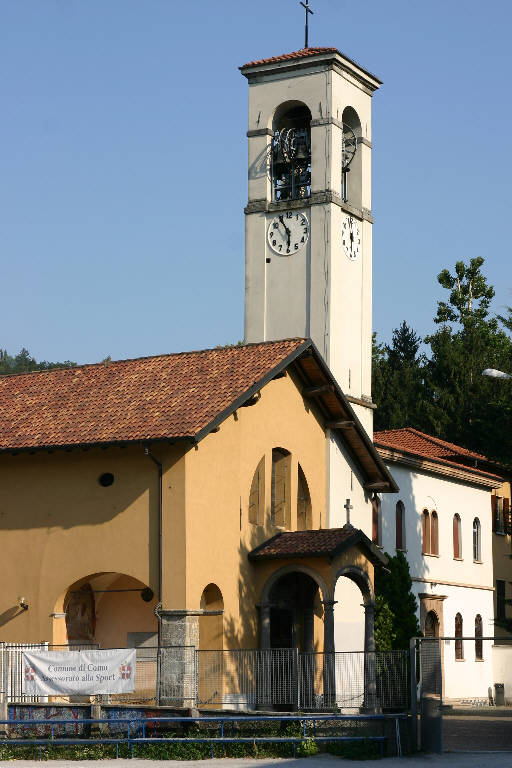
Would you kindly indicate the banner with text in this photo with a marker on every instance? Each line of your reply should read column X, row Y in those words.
column 78, row 673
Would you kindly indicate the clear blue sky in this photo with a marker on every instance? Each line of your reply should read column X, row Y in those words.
column 123, row 161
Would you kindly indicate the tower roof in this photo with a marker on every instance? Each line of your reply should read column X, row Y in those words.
column 312, row 56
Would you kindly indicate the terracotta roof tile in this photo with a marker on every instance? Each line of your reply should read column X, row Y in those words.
column 151, row 398
column 418, row 443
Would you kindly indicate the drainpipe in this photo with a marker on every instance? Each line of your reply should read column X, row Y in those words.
column 148, row 453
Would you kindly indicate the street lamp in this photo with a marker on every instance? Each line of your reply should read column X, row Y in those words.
column 494, row 374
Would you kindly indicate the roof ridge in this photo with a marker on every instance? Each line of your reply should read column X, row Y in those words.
column 100, row 363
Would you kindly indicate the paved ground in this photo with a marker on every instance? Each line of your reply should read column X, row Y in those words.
column 477, row 732
column 482, row 760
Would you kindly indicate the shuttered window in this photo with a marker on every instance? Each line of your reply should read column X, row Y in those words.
column 304, row 521
column 280, row 494
column 434, row 534
column 425, row 538
column 257, row 494
column 457, row 543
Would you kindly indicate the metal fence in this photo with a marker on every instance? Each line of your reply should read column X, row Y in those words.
column 181, row 676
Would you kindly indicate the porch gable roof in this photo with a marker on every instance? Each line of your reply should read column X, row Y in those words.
column 326, row 542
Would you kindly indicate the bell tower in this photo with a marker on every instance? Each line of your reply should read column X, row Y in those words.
column 308, row 263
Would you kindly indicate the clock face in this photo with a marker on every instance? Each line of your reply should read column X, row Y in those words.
column 288, row 232
column 351, row 237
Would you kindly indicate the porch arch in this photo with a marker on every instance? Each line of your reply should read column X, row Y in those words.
column 306, row 612
column 361, row 578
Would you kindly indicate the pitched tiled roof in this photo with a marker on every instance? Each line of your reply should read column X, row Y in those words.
column 294, row 55
column 151, row 398
column 327, row 542
column 416, row 443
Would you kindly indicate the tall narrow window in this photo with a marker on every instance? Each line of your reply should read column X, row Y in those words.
column 457, row 543
column 425, row 539
column 498, row 523
column 280, row 491
column 400, row 525
column 500, row 599
column 257, row 494
column 304, row 521
column 434, row 534
column 479, row 651
column 459, row 648
column 477, row 549
column 376, row 521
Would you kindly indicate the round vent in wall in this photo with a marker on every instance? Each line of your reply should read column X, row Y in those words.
column 106, row 479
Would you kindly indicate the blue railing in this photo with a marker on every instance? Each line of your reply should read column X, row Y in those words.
column 137, row 731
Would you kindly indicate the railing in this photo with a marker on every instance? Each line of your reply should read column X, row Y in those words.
column 211, row 730
column 183, row 677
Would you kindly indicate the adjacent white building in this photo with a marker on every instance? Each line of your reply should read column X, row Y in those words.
column 441, row 519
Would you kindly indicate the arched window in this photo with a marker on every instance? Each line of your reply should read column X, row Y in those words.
column 376, row 521
column 434, row 534
column 304, row 521
column 477, row 550
column 457, row 540
column 400, row 525
column 459, row 648
column 290, row 152
column 431, row 625
column 425, row 532
column 257, row 494
column 479, row 651
column 280, row 491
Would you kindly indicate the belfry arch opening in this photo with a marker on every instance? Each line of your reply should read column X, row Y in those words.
column 290, row 152
column 351, row 170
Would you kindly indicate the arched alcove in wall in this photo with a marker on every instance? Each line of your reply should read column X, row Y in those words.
column 211, row 635
column 113, row 610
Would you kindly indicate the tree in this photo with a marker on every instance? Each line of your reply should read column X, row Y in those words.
column 394, row 597
column 466, row 407
column 398, row 380
column 23, row 362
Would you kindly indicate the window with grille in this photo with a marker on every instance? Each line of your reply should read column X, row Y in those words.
column 477, row 548
column 459, row 648
column 400, row 525
column 479, row 651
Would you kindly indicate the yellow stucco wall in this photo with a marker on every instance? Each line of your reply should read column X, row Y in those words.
column 58, row 526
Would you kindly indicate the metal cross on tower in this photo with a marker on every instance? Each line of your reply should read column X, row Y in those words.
column 308, row 11
column 348, row 506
